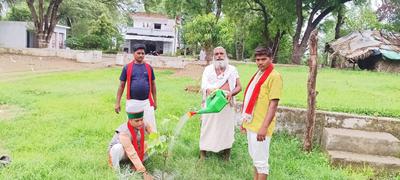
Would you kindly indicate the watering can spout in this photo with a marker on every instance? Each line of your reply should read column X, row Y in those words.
column 192, row 113
column 215, row 102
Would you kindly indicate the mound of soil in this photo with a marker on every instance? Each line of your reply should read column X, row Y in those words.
column 193, row 71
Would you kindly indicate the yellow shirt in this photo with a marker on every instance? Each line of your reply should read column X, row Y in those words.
column 270, row 89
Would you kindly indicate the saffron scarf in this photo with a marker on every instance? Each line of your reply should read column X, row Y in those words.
column 249, row 106
column 140, row 151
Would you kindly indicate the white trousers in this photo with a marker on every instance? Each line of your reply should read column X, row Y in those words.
column 117, row 154
column 259, row 152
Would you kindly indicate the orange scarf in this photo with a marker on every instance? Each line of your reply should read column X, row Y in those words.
column 140, row 151
column 253, row 99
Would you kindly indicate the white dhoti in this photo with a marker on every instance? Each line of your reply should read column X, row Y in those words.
column 148, row 112
column 217, row 130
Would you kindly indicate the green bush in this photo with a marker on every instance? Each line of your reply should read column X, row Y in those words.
column 98, row 35
column 19, row 13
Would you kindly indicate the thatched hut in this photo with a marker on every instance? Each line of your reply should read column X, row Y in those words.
column 371, row 50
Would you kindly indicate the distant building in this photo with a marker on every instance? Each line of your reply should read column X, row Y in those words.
column 157, row 32
column 18, row 34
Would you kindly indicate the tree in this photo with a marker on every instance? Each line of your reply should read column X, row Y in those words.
column 262, row 8
column 98, row 35
column 390, row 11
column 316, row 10
column 4, row 3
column 85, row 15
column 339, row 20
column 282, row 19
column 104, row 30
column 19, row 13
column 227, row 34
column 153, row 6
column 190, row 10
column 74, row 11
column 44, row 21
column 203, row 30
column 362, row 18
column 267, row 18
column 239, row 17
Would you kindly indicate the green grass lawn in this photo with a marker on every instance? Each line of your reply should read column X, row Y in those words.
column 358, row 92
column 68, row 121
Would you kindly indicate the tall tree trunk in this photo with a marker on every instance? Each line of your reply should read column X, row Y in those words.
column 299, row 46
column 44, row 22
column 312, row 93
column 239, row 46
column 275, row 45
column 339, row 21
column 41, row 40
column 266, row 20
column 209, row 52
column 209, row 6
column 239, row 43
column 296, row 54
column 219, row 9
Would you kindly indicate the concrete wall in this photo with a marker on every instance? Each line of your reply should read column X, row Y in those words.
column 294, row 120
column 89, row 56
column 154, row 61
column 13, row 34
column 166, row 62
column 78, row 55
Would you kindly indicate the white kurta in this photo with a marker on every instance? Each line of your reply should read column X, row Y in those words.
column 217, row 129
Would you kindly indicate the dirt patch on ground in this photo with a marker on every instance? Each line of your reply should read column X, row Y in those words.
column 11, row 63
column 194, row 71
column 8, row 112
column 193, row 89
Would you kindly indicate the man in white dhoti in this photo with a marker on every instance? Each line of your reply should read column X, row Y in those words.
column 138, row 77
column 217, row 129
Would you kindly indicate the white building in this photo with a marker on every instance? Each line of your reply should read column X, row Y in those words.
column 18, row 34
column 157, row 32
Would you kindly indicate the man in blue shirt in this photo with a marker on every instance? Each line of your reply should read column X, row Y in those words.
column 141, row 86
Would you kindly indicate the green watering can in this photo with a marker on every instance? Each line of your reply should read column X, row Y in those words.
column 215, row 102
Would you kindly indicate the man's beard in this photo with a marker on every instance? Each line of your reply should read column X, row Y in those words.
column 220, row 64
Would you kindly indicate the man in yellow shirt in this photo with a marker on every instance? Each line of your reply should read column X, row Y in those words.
column 259, row 107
